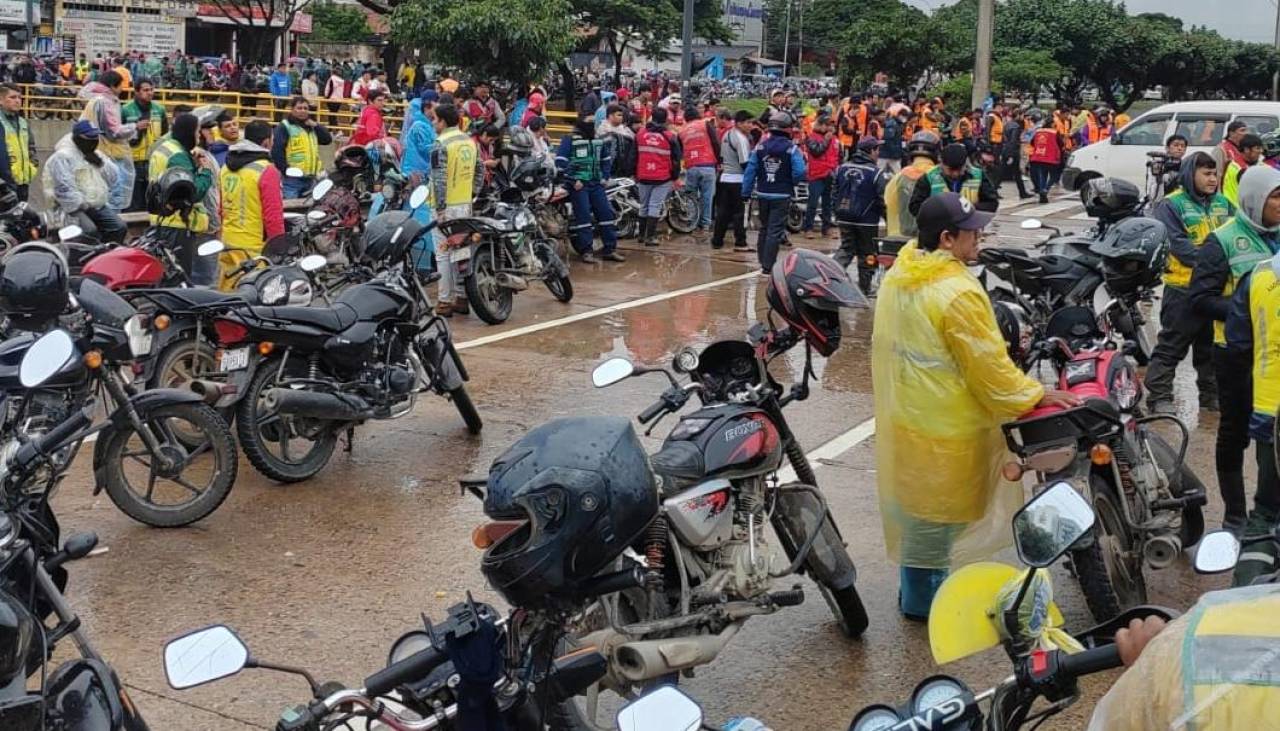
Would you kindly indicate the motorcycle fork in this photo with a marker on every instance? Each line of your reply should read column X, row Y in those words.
column 68, row 621
column 116, row 389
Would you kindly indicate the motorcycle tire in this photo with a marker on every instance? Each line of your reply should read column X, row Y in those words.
column 559, row 286
column 846, row 605
column 176, row 368
column 462, row 402
column 1105, row 591
column 141, row 507
column 253, row 438
column 683, row 211
column 491, row 301
column 795, row 218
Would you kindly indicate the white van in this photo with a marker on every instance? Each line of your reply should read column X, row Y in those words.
column 1124, row 155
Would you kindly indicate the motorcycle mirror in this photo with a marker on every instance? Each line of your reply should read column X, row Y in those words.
column 211, row 248
column 45, row 357
column 322, row 189
column 418, row 197
column 664, row 709
column 293, row 172
column 67, row 233
column 203, row 656
column 1031, row 224
column 1050, row 523
column 314, row 216
column 611, row 371
column 312, row 263
column 1218, row 552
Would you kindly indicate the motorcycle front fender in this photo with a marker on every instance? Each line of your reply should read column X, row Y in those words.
column 798, row 514
column 441, row 360
column 144, row 403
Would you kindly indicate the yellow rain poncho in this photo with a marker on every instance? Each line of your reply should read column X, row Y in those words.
column 943, row 385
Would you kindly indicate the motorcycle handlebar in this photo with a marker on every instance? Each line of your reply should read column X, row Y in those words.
column 45, row 443
column 1089, row 662
column 653, row 412
column 414, row 667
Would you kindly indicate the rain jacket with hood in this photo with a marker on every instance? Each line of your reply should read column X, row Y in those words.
column 1189, row 218
column 102, row 109
column 252, row 204
column 74, row 182
column 943, row 384
column 418, row 140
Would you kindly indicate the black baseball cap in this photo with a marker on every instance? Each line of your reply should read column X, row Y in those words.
column 955, row 155
column 948, row 212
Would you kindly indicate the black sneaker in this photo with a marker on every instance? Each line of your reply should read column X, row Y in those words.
column 588, row 258
column 613, row 256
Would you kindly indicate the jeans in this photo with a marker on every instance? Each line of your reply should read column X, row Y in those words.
column 729, row 212
column 107, row 221
column 202, row 270
column 703, row 180
column 139, row 200
column 1235, row 404
column 122, row 191
column 773, row 228
column 1180, row 332
column 450, row 286
column 858, row 240
column 820, row 190
column 652, row 198
column 592, row 199
column 294, row 187
column 1042, row 176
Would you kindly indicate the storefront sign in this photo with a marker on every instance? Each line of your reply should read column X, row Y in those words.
column 14, row 12
column 103, row 32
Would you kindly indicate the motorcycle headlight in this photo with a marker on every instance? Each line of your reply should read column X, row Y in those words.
column 274, row 291
column 139, row 336
column 300, row 292
column 524, row 219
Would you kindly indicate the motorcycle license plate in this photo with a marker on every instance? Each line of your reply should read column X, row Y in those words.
column 234, row 360
column 461, row 254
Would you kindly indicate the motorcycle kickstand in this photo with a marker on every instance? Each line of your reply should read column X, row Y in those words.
column 351, row 436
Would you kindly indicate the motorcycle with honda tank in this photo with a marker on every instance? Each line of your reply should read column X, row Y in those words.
column 706, row 563
column 987, row 604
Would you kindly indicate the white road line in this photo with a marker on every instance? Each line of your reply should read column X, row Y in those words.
column 834, row 448
column 1080, row 217
column 540, row 326
column 1047, row 208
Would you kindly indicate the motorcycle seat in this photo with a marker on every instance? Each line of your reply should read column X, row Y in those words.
column 680, row 461
column 334, row 319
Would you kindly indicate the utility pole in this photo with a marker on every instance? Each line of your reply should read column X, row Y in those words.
column 30, row 41
column 786, row 40
column 982, row 62
column 800, row 40
column 686, row 54
column 1275, row 78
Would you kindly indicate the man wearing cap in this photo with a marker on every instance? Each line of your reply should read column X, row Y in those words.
column 954, row 174
column 943, row 384
column 822, row 156
column 859, row 204
column 144, row 106
column 79, row 181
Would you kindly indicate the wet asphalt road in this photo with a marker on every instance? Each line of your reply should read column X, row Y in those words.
column 325, row 575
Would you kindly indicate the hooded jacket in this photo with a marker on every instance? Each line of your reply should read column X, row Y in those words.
column 776, row 145
column 269, row 187
column 102, row 109
column 74, row 182
column 1185, row 243
column 943, row 385
column 1209, row 293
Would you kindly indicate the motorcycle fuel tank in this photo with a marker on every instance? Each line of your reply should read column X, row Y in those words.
column 125, row 267
column 732, row 440
column 703, row 514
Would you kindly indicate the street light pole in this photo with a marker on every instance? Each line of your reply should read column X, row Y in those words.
column 1275, row 78
column 786, row 39
column 982, row 62
column 686, row 53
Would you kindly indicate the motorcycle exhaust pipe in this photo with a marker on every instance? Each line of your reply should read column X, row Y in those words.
column 314, row 405
column 1160, row 551
column 649, row 659
column 210, row 391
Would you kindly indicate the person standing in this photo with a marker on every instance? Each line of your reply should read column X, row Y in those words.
column 228, row 135
column 735, row 150
column 418, row 142
column 17, row 145
column 891, row 151
column 1046, row 157
column 1250, row 154
column 658, row 156
column 615, row 131
column 456, row 175
column 252, row 205
column 993, row 134
column 956, row 175
column 335, row 92
column 1011, row 155
column 822, row 156
column 700, row 151
column 102, row 110
column 371, row 125
column 144, row 106
column 483, row 107
column 859, row 203
column 922, row 155
column 310, row 88
column 1230, row 252
column 182, row 232
column 79, row 182
column 1231, row 144
column 943, row 383
column 280, row 86
column 296, row 143
column 585, row 161
column 772, row 172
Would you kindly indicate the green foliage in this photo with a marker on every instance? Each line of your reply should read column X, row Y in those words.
column 512, row 40
column 884, row 35
column 1025, row 70
column 334, row 23
column 957, row 91
column 648, row 25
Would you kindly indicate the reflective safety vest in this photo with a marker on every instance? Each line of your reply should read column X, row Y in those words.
column 1199, row 221
column 82, row 71
column 17, row 138
column 696, row 145
column 242, row 226
column 1095, row 132
column 1231, row 182
column 303, row 149
column 132, row 112
column 995, row 126
column 161, row 156
column 1244, row 248
column 1062, row 125
column 460, row 153
column 897, row 198
column 584, row 160
column 963, row 129
column 654, row 159
column 1264, row 316
column 968, row 189
column 1230, row 661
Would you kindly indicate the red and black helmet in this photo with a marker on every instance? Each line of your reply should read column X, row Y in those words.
column 807, row 289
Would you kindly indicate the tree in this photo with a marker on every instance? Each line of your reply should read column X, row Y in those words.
column 1025, row 70
column 648, row 25
column 333, row 23
column 888, row 36
column 265, row 21
column 514, row 40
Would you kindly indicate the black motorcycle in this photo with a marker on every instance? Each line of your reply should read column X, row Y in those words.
column 82, row 694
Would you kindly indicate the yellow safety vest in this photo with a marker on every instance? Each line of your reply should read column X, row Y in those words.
column 1230, row 659
column 165, row 150
column 303, row 149
column 116, row 150
column 17, row 139
column 1199, row 221
column 142, row 152
column 460, row 167
column 1264, row 316
column 242, row 207
column 1244, row 250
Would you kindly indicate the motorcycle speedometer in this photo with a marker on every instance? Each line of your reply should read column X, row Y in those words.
column 875, row 718
column 934, row 691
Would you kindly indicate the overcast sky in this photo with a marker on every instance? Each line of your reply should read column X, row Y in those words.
column 1250, row 20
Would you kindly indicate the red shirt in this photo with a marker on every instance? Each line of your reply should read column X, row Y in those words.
column 824, row 164
column 370, row 126
column 1046, row 147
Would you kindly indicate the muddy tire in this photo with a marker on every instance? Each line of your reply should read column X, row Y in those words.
column 559, row 286
column 256, row 429
column 176, row 366
column 490, row 300
column 684, row 208
column 1109, row 584
column 462, row 402
column 847, row 606
column 124, row 446
column 795, row 218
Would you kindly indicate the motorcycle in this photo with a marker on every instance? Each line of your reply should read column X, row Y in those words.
column 84, row 693
column 887, row 248
column 682, row 209
column 1148, row 501
column 706, row 560
column 986, row 604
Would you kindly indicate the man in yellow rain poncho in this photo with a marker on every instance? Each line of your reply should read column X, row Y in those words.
column 943, row 384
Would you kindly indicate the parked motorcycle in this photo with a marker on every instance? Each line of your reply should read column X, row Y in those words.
column 1147, row 499
column 987, row 604
column 681, row 210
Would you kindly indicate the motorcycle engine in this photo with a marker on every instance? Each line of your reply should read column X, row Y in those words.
column 748, row 556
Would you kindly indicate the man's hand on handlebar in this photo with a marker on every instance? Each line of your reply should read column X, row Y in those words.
column 1061, row 399
column 1132, row 639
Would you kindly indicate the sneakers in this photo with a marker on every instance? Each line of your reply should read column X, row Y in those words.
column 613, row 256
column 444, row 309
column 461, row 306
column 743, row 248
column 587, row 257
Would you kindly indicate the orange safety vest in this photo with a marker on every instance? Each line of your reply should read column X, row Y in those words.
column 846, row 113
column 963, row 129
column 995, row 129
column 1096, row 132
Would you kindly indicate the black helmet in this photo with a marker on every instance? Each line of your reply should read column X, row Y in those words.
column 174, row 192
column 532, row 174
column 924, row 143
column 781, row 121
column 586, row 491
column 1134, row 253
column 1110, row 199
column 387, row 237
column 807, row 290
column 519, row 141
column 33, row 284
column 1016, row 328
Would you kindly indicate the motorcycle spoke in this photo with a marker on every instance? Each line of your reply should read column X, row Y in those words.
column 151, row 486
column 192, row 488
column 284, row 443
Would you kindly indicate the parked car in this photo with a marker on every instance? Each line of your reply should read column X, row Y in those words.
column 1124, row 154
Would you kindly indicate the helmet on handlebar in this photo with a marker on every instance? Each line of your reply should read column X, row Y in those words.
column 807, row 290
column 1110, row 199
column 532, row 174
column 387, row 237
column 174, row 192
column 1016, row 328
column 584, row 491
column 924, row 143
column 34, row 281
column 1134, row 252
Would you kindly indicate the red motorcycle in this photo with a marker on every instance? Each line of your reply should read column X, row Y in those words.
column 1146, row 498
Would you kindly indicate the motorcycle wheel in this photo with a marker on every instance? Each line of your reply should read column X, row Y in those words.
column 214, row 457
column 462, row 402
column 257, row 429
column 683, row 211
column 1110, row 582
column 177, row 367
column 561, row 288
column 491, row 301
column 795, row 218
